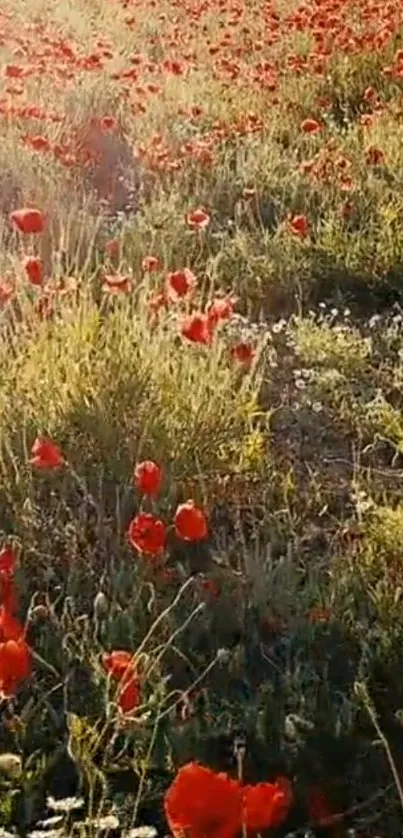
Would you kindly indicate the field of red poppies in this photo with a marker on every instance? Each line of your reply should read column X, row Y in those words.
column 201, row 418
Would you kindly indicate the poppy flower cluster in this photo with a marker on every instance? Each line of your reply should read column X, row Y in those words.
column 15, row 656
column 147, row 533
column 204, row 804
column 198, row 326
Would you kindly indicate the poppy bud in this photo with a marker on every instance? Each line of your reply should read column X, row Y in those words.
column 223, row 656
column 148, row 478
column 40, row 612
column 10, row 765
column 100, row 605
column 33, row 266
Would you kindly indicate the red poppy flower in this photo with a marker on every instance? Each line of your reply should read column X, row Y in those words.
column 122, row 667
column 299, row 225
column 318, row 614
column 7, row 291
column 37, row 142
column 157, row 302
column 108, row 123
column 151, row 264
column 148, row 477
column 147, row 534
column 197, row 328
column 198, row 219
column 221, row 309
column 369, row 94
column 320, row 811
column 10, row 627
column 117, row 662
column 346, row 183
column 28, row 220
column 14, row 71
column 9, row 595
column 306, row 166
column 8, row 590
column 8, row 560
column 46, row 454
column 211, row 588
column 34, row 268
column 190, row 522
column 15, row 665
column 311, row 126
column 112, row 248
column 266, row 804
column 366, row 119
column 347, row 210
column 249, row 192
column 243, row 353
column 374, row 156
column 129, row 696
column 116, row 284
column 202, row 803
column 180, row 283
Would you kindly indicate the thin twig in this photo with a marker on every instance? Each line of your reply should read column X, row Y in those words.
column 362, row 692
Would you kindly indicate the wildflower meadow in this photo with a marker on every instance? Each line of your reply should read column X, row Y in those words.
column 201, row 418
